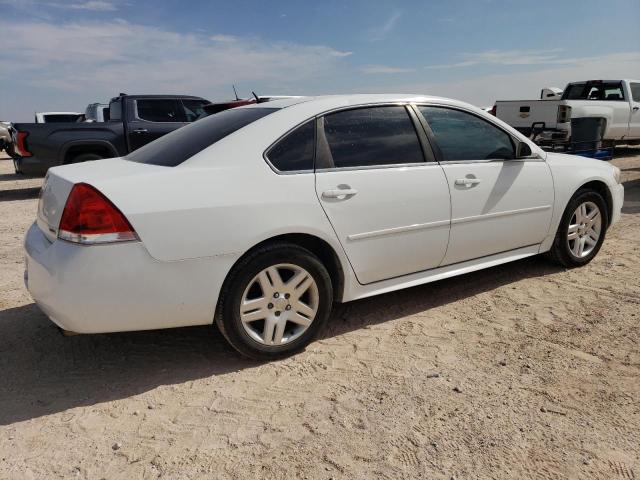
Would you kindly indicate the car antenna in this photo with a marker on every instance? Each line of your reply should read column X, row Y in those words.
column 256, row 96
column 235, row 92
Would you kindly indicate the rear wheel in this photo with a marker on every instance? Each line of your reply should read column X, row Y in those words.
column 275, row 302
column 582, row 229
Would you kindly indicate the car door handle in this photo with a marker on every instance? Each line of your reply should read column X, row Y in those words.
column 141, row 130
column 635, row 109
column 466, row 182
column 339, row 193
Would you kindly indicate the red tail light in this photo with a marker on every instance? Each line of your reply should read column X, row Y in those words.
column 21, row 144
column 89, row 217
column 494, row 110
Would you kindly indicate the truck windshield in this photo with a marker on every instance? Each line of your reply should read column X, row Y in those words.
column 594, row 91
column 182, row 144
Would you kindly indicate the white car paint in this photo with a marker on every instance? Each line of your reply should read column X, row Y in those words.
column 196, row 220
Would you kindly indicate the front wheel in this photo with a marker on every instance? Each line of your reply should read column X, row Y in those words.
column 275, row 302
column 582, row 230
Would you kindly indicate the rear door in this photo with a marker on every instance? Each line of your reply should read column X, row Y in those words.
column 498, row 203
column 152, row 118
column 387, row 202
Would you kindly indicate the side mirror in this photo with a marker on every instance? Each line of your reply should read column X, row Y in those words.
column 523, row 150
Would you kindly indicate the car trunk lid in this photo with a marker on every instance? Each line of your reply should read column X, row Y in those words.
column 59, row 182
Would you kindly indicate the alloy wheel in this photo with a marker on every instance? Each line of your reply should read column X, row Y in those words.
column 584, row 229
column 279, row 304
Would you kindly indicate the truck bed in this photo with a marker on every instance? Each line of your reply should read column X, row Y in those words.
column 524, row 114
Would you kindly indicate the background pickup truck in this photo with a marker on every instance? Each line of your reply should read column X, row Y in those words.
column 135, row 120
column 587, row 111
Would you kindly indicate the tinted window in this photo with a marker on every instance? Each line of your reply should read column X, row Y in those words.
column 463, row 136
column 295, row 151
column 369, row 136
column 635, row 92
column 160, row 110
column 115, row 110
column 193, row 109
column 183, row 143
column 594, row 91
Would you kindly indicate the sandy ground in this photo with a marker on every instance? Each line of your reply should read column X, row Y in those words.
column 522, row 371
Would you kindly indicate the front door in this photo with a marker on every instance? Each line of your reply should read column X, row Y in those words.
column 388, row 206
column 498, row 203
column 153, row 118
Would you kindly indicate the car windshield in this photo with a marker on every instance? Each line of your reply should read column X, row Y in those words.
column 594, row 91
column 182, row 144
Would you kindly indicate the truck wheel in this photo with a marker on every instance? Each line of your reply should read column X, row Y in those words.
column 85, row 157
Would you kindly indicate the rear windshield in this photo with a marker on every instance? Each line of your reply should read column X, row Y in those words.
column 611, row 91
column 182, row 144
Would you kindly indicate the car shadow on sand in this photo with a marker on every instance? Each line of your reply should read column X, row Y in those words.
column 42, row 372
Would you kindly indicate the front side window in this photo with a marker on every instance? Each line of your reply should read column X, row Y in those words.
column 463, row 136
column 160, row 110
column 181, row 144
column 194, row 109
column 295, row 151
column 366, row 137
column 635, row 92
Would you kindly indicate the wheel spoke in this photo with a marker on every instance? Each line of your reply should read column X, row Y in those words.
column 593, row 235
column 303, row 287
column 267, row 334
column 303, row 308
column 593, row 214
column 265, row 284
column 276, row 279
column 253, row 310
column 279, row 333
column 581, row 243
column 299, row 319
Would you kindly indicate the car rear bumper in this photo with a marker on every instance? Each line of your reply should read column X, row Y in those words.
column 119, row 287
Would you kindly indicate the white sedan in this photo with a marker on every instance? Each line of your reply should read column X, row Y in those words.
column 258, row 218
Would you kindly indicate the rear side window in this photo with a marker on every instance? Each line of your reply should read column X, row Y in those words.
column 160, row 110
column 115, row 110
column 295, row 151
column 635, row 92
column 463, row 136
column 365, row 137
column 183, row 143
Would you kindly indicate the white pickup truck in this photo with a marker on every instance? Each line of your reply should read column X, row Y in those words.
column 587, row 111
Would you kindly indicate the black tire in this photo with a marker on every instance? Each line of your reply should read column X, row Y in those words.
column 86, row 157
column 560, row 251
column 227, row 316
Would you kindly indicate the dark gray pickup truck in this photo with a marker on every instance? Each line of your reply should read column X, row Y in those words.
column 135, row 120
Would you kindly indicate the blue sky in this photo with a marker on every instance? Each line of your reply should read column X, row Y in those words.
column 61, row 55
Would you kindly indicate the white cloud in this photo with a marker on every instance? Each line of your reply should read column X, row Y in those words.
column 119, row 56
column 223, row 38
column 506, row 57
column 95, row 5
column 384, row 70
column 90, row 5
column 387, row 27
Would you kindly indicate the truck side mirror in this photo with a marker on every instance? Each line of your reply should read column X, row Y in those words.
column 523, row 150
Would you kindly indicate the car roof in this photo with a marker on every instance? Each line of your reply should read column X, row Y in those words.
column 328, row 102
